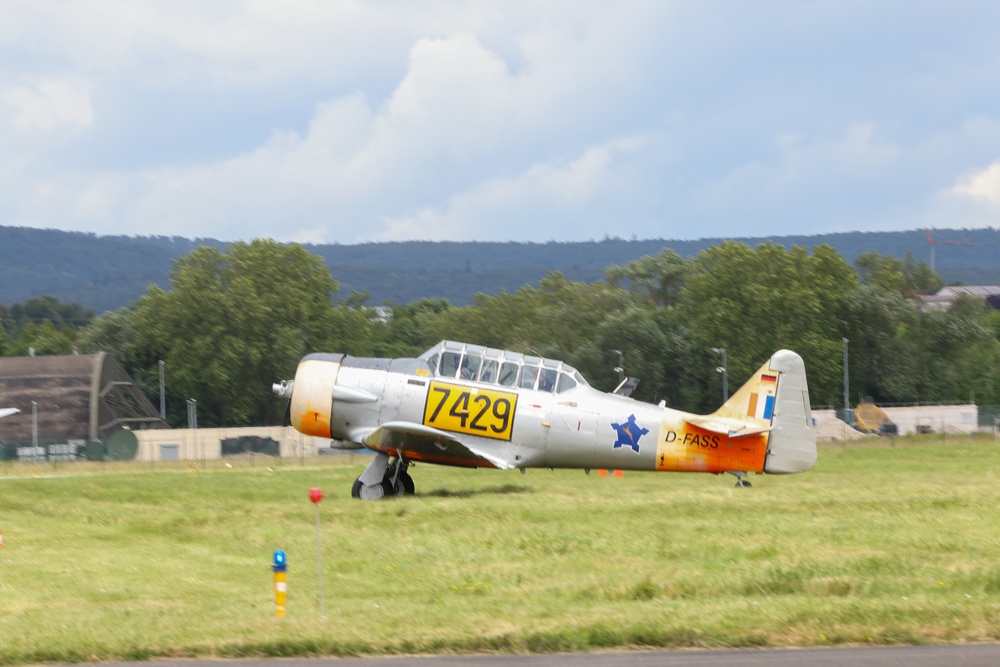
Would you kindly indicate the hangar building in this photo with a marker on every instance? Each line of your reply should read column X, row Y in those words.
column 80, row 398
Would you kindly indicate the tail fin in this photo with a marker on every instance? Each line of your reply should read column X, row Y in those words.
column 775, row 400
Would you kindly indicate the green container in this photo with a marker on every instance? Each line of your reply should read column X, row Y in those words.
column 121, row 446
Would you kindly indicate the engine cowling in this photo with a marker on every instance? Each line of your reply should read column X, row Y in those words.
column 312, row 393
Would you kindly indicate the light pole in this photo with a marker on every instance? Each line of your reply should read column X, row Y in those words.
column 621, row 365
column 847, row 404
column 34, row 431
column 163, row 397
column 724, row 369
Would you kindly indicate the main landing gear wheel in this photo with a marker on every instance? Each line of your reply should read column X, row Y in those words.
column 407, row 481
column 393, row 488
column 395, row 480
column 402, row 486
column 363, row 491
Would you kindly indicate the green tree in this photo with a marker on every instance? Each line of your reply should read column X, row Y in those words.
column 406, row 333
column 658, row 278
column 239, row 319
column 48, row 308
column 887, row 272
column 23, row 326
column 112, row 332
column 957, row 345
column 7, row 326
column 43, row 338
column 920, row 277
column 635, row 333
column 885, row 347
column 753, row 302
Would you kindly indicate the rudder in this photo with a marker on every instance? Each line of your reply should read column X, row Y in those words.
column 791, row 446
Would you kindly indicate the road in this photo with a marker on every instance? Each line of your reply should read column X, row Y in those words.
column 965, row 655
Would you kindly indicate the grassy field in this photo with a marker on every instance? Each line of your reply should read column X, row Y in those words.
column 878, row 544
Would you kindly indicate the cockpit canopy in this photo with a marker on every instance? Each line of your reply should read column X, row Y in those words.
column 501, row 367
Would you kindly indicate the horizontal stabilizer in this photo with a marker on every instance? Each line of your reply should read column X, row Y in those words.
column 6, row 412
column 727, row 426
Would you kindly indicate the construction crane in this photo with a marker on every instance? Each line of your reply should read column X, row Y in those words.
column 932, row 242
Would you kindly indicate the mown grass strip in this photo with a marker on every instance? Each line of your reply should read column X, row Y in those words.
column 879, row 544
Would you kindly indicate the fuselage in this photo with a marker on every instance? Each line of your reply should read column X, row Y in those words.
column 567, row 425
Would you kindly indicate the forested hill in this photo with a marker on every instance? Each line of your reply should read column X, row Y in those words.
column 107, row 272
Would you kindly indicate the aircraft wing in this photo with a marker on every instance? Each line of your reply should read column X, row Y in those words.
column 423, row 443
column 6, row 412
column 732, row 428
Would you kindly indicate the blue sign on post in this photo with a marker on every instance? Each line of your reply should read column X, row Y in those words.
column 279, row 561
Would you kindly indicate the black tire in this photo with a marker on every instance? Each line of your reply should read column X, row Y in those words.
column 364, row 492
column 407, row 481
column 393, row 490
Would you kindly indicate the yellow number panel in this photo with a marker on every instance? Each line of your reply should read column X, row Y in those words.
column 472, row 410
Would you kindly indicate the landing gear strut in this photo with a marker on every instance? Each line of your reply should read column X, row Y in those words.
column 383, row 477
column 741, row 478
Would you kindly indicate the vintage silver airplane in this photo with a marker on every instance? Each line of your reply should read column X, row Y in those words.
column 478, row 407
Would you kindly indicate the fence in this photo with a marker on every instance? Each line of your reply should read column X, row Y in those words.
column 960, row 419
column 207, row 448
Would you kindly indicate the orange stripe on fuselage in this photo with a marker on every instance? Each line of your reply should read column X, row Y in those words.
column 693, row 449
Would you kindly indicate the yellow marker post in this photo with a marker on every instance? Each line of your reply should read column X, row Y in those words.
column 280, row 583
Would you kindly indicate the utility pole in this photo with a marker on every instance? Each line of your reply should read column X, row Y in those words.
column 163, row 396
column 34, row 431
column 192, row 405
column 621, row 365
column 724, row 369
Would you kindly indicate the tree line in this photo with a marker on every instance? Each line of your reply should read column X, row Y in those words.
column 238, row 318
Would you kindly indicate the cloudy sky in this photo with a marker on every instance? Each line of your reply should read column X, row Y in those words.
column 355, row 121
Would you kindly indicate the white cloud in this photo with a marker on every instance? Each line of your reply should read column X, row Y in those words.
column 983, row 186
column 506, row 209
column 355, row 120
column 45, row 104
column 458, row 105
column 315, row 235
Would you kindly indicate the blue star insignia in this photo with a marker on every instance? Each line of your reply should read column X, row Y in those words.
column 629, row 434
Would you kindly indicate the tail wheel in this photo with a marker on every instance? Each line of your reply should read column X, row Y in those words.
column 741, row 478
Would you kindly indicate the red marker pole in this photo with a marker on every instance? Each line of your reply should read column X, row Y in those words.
column 316, row 495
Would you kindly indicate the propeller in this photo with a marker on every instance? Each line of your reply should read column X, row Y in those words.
column 283, row 390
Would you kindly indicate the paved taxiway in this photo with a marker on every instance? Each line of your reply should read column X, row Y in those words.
column 965, row 655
